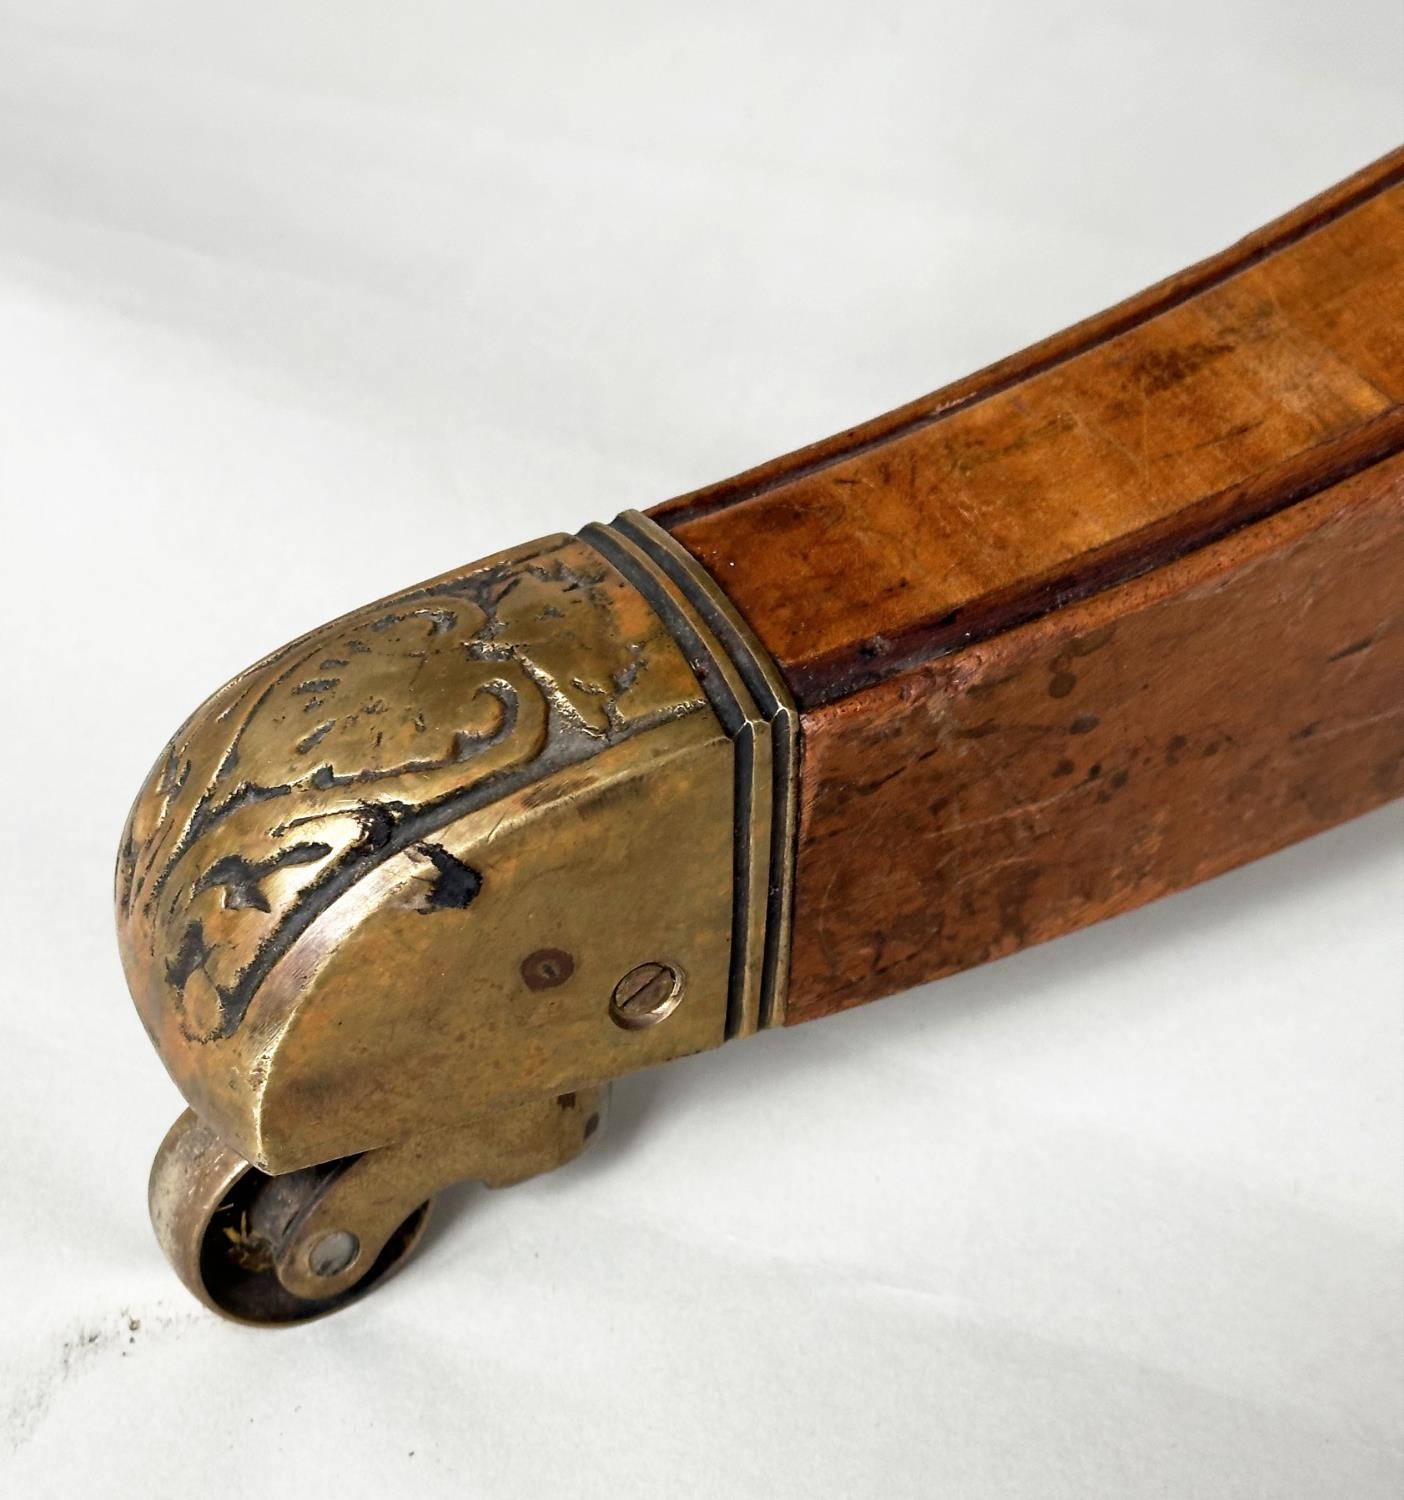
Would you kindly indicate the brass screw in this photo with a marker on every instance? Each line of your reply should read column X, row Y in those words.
column 646, row 995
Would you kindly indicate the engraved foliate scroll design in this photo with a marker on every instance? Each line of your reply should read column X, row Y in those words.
column 358, row 742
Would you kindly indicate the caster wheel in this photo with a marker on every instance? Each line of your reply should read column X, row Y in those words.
column 226, row 1227
column 281, row 1249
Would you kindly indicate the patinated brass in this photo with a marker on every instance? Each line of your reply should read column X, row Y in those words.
column 380, row 893
column 250, row 1246
column 752, row 702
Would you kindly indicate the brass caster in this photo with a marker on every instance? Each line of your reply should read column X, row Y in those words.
column 271, row 1250
column 503, row 836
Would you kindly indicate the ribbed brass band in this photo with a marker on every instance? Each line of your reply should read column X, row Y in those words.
column 753, row 703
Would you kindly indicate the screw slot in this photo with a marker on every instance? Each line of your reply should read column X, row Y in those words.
column 646, row 995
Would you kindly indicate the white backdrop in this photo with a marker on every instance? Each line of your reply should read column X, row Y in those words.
column 300, row 303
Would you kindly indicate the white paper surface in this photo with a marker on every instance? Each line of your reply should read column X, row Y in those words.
column 301, row 303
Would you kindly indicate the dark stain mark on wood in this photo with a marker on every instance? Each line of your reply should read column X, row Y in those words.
column 867, row 788
column 1159, row 369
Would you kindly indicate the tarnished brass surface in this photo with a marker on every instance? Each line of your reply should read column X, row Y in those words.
column 751, row 698
column 338, row 870
column 192, row 1175
column 374, row 1195
column 431, row 864
column 252, row 1247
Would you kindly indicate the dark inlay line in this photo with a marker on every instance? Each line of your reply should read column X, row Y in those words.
column 837, row 674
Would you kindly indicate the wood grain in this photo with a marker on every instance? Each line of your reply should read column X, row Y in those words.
column 1102, row 621
column 878, row 551
column 1246, row 696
